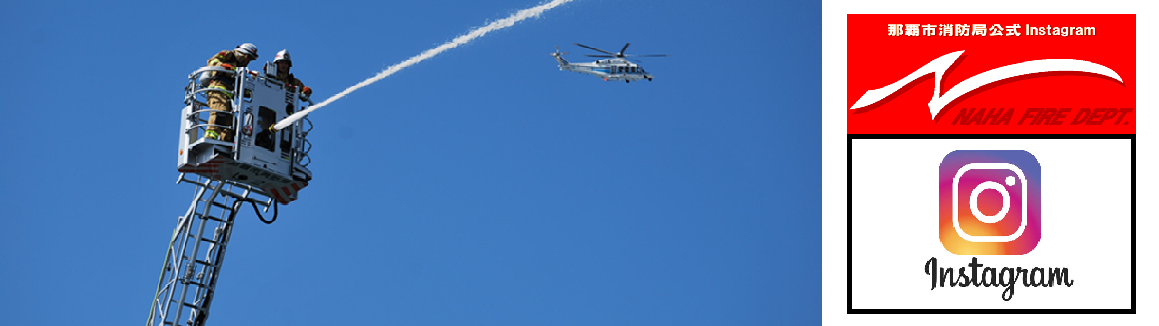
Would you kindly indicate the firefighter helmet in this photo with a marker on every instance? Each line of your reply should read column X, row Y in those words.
column 283, row 55
column 248, row 49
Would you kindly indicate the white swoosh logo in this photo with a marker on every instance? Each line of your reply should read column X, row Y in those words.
column 938, row 68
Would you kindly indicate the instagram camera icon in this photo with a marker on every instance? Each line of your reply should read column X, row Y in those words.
column 989, row 202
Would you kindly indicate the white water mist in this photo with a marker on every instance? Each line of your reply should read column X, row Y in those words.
column 460, row 40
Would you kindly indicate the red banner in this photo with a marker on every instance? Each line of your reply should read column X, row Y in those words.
column 991, row 74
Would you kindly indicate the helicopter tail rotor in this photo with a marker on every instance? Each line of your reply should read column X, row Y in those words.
column 557, row 53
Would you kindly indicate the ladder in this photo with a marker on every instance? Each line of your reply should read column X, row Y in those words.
column 197, row 248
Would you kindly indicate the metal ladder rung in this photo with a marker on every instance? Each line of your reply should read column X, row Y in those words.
column 222, row 206
column 211, row 217
column 204, row 239
column 206, row 263
column 195, row 307
column 201, row 262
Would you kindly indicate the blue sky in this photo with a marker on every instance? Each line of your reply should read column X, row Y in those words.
column 480, row 187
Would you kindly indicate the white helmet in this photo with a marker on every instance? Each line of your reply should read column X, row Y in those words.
column 248, row 49
column 283, row 55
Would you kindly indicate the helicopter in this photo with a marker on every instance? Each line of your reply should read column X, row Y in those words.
column 615, row 68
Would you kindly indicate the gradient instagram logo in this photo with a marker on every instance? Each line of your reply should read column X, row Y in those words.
column 989, row 202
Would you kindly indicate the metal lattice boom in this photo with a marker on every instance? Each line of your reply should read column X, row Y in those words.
column 196, row 250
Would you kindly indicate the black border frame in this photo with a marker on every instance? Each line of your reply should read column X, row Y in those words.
column 849, row 228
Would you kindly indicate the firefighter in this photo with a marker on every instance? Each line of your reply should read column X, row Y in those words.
column 239, row 57
column 282, row 60
column 283, row 63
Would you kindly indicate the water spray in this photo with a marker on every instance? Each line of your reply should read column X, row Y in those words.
column 460, row 40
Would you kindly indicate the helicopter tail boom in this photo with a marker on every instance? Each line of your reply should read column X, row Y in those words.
column 562, row 61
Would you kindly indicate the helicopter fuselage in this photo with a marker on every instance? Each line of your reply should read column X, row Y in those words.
column 614, row 69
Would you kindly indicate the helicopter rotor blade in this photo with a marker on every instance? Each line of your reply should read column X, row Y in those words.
column 599, row 56
column 647, row 55
column 588, row 47
column 621, row 54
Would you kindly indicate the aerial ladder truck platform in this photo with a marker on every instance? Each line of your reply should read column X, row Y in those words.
column 261, row 166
